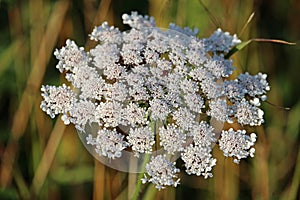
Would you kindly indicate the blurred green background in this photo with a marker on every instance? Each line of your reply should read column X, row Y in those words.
column 43, row 159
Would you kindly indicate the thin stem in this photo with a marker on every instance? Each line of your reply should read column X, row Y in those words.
column 139, row 181
column 280, row 107
column 215, row 21
column 146, row 159
column 247, row 23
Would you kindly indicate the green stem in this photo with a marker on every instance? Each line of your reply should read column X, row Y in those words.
column 139, row 181
column 146, row 159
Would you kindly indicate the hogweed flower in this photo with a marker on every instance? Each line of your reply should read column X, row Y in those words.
column 156, row 92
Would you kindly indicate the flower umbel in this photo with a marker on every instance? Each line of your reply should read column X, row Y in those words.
column 237, row 144
column 161, row 172
column 198, row 160
column 156, row 91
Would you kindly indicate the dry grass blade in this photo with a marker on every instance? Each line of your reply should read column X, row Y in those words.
column 291, row 192
column 48, row 156
column 6, row 56
column 99, row 181
column 21, row 116
column 21, row 184
column 216, row 22
column 273, row 41
column 247, row 23
column 157, row 9
column 246, row 43
column 101, row 14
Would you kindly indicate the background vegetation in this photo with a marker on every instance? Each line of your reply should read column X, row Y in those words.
column 43, row 159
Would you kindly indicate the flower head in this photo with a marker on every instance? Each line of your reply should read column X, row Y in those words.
column 157, row 91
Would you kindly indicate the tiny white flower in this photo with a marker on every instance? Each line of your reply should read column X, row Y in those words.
column 138, row 21
column 254, row 85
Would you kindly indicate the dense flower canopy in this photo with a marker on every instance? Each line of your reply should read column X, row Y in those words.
column 164, row 86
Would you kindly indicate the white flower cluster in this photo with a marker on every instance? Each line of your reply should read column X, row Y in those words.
column 108, row 143
column 237, row 144
column 162, row 87
column 161, row 172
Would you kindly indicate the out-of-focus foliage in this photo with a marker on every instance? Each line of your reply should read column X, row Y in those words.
column 42, row 158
